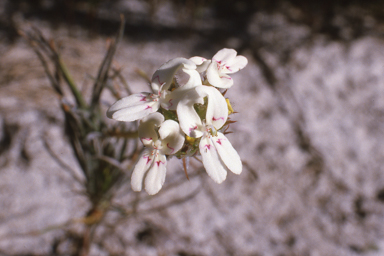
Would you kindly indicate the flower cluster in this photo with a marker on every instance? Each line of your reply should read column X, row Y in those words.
column 183, row 117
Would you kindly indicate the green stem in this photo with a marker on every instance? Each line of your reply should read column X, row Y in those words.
column 67, row 77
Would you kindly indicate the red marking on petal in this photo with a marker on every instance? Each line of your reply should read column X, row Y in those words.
column 160, row 84
column 170, row 103
column 193, row 128
column 208, row 146
column 148, row 159
column 219, row 141
column 158, row 79
column 216, row 119
column 148, row 107
column 170, row 148
column 159, row 162
column 142, row 139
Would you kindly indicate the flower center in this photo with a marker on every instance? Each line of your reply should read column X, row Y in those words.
column 157, row 145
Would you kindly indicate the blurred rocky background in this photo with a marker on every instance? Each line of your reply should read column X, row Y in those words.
column 310, row 129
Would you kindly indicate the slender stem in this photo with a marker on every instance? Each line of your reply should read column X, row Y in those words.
column 67, row 77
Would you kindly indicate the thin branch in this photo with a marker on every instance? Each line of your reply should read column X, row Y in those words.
column 34, row 44
column 105, row 66
column 126, row 135
column 174, row 202
column 38, row 41
column 60, row 162
column 39, row 231
column 111, row 161
column 251, row 170
column 117, row 72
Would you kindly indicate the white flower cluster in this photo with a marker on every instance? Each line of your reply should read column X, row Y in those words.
column 183, row 118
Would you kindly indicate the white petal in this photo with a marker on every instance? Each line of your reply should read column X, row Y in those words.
column 171, row 136
column 156, row 175
column 216, row 78
column 211, row 160
column 190, row 122
column 224, row 55
column 169, row 100
column 154, row 118
column 193, row 81
column 217, row 110
column 227, row 153
column 147, row 128
column 201, row 63
column 163, row 77
column 142, row 166
column 133, row 107
column 236, row 64
column 198, row 60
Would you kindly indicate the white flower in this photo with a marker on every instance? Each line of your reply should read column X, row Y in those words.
column 171, row 99
column 224, row 62
column 134, row 107
column 218, row 155
column 137, row 106
column 185, row 87
column 163, row 77
column 151, row 167
column 216, row 115
column 201, row 63
column 217, row 152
